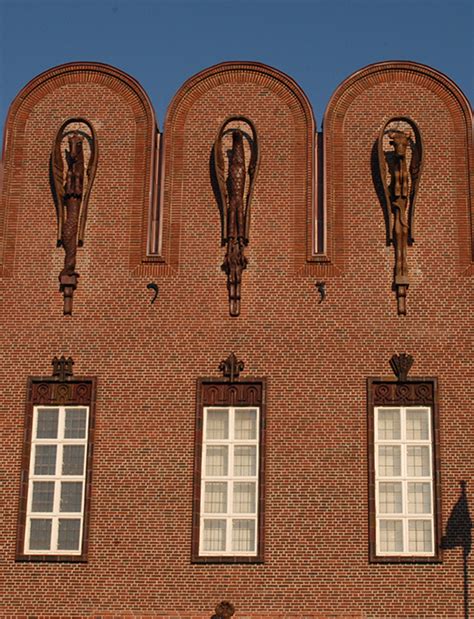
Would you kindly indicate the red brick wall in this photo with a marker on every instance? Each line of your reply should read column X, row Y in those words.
column 316, row 357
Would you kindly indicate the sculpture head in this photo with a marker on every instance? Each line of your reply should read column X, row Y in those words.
column 224, row 610
column 237, row 139
column 399, row 140
column 75, row 146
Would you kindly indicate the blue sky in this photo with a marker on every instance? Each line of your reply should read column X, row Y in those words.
column 163, row 42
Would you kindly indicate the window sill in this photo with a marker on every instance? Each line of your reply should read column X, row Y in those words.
column 47, row 558
column 227, row 559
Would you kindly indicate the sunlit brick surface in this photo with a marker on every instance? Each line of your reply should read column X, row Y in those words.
column 315, row 356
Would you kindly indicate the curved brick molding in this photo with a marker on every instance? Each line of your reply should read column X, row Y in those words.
column 286, row 126
column 126, row 124
column 358, row 108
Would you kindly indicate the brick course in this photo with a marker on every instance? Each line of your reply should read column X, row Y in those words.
column 315, row 357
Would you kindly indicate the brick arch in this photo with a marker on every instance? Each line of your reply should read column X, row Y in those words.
column 460, row 112
column 304, row 144
column 14, row 144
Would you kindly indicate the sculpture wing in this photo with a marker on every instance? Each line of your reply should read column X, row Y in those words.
column 219, row 168
column 383, row 169
column 57, row 173
column 91, row 169
column 252, row 172
column 415, row 175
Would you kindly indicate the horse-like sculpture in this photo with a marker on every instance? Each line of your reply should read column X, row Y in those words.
column 400, row 181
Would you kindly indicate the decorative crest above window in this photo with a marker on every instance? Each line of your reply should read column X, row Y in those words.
column 62, row 368
column 231, row 367
column 401, row 365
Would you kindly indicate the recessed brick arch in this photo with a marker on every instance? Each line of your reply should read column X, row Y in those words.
column 129, row 94
column 228, row 75
column 383, row 80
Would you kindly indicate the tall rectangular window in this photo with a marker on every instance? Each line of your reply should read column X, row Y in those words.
column 56, row 467
column 404, row 481
column 57, row 475
column 229, row 486
column 404, row 475
column 228, row 503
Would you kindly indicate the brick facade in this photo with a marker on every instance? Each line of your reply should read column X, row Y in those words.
column 315, row 357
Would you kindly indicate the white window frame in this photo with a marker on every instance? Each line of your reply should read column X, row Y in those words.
column 404, row 479
column 229, row 516
column 57, row 478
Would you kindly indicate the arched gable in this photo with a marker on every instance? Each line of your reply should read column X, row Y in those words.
column 125, row 122
column 286, row 126
column 362, row 103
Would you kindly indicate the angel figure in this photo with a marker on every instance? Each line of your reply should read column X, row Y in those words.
column 234, row 196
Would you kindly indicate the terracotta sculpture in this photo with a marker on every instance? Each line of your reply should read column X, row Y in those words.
column 72, row 192
column 72, row 200
column 400, row 193
column 224, row 610
column 234, row 195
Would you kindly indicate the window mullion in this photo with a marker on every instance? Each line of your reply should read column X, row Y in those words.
column 404, row 464
column 230, row 489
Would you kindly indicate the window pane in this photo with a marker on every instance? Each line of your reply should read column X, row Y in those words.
column 418, row 461
column 419, row 498
column 217, row 460
column 419, row 536
column 217, row 426
column 214, row 535
column 391, row 535
column 40, row 534
column 75, row 423
column 244, row 497
column 245, row 460
column 47, row 424
column 215, row 497
column 73, row 459
column 43, row 496
column 69, row 534
column 245, row 424
column 45, row 459
column 390, row 498
column 389, row 424
column 418, row 425
column 389, row 461
column 243, row 535
column 71, row 496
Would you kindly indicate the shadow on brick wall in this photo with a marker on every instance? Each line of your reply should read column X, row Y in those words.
column 459, row 534
column 377, row 181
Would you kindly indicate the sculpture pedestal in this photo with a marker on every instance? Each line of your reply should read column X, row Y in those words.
column 401, row 283
column 67, row 285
